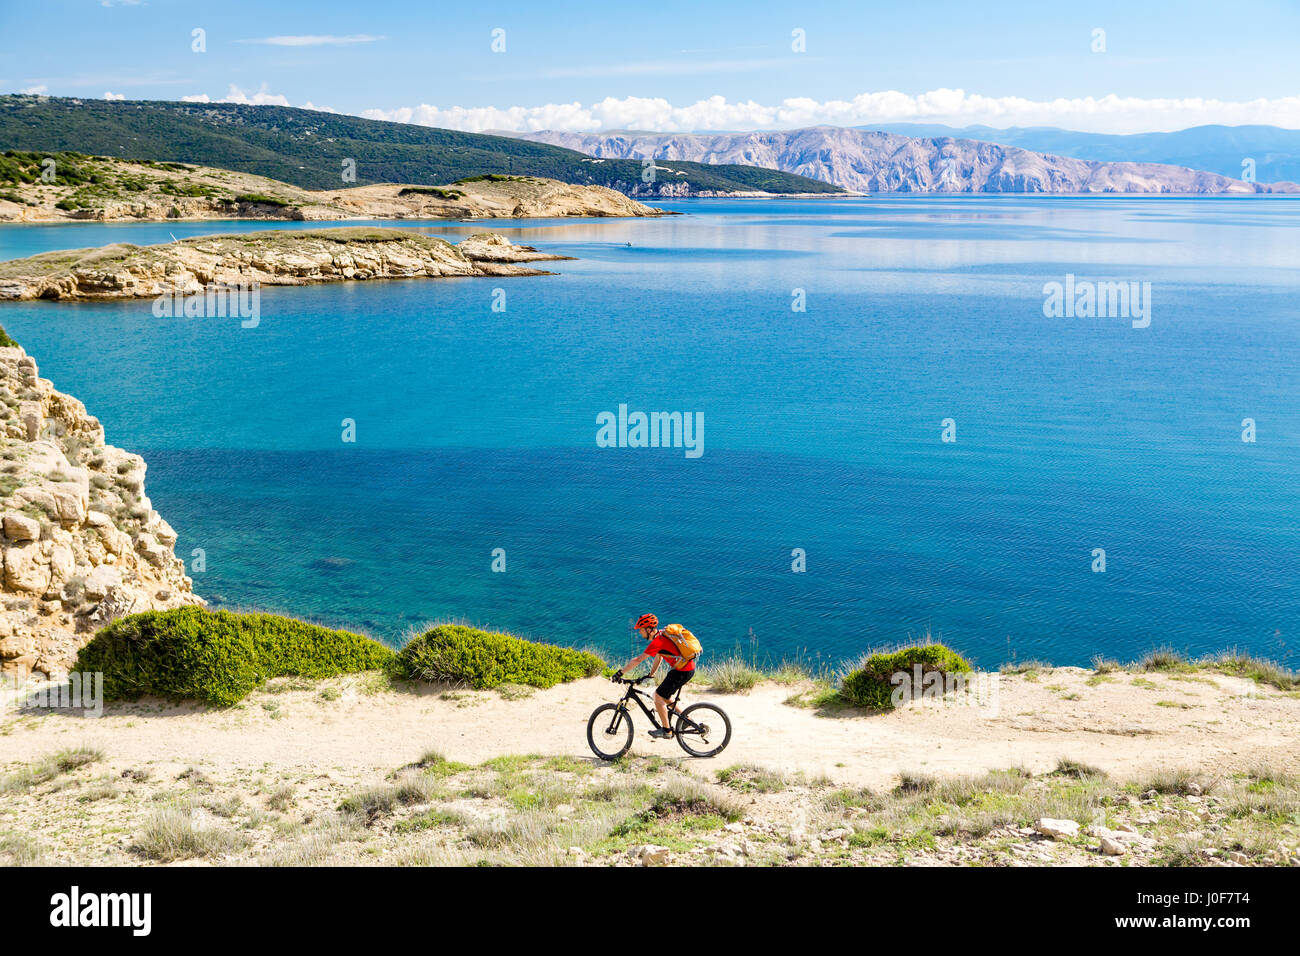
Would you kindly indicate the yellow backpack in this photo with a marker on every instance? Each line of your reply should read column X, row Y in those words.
column 687, row 644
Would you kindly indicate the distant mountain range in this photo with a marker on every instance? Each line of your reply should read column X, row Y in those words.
column 309, row 149
column 1215, row 149
column 875, row 161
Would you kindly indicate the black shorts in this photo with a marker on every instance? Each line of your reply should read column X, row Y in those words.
column 674, row 682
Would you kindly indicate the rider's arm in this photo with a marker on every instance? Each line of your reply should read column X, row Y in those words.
column 635, row 661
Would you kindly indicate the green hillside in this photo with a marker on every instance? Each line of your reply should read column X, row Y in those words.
column 307, row 148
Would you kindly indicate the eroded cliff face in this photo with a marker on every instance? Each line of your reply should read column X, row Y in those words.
column 81, row 542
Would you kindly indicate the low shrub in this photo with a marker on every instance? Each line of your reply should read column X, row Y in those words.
column 869, row 684
column 455, row 654
column 5, row 341
column 257, row 199
column 218, row 656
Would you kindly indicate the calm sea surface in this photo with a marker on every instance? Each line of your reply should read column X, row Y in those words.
column 476, row 429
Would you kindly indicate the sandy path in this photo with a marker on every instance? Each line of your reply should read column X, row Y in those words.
column 1124, row 725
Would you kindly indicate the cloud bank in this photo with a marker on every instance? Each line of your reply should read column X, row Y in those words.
column 1107, row 114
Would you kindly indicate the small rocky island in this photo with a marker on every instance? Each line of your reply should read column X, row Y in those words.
column 274, row 257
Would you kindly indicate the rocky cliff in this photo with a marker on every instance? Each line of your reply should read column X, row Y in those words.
column 275, row 257
column 82, row 544
column 885, row 162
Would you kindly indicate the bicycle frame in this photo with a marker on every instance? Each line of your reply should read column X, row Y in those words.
column 639, row 696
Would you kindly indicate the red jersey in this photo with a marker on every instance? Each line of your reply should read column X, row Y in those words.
column 664, row 647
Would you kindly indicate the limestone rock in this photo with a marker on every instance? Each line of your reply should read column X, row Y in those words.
column 20, row 527
column 1057, row 829
column 81, row 542
column 653, row 855
column 1112, row 847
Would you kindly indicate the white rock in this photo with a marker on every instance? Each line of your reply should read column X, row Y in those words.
column 653, row 855
column 1057, row 829
column 1111, row 847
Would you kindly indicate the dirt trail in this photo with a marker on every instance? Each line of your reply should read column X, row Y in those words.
column 1124, row 724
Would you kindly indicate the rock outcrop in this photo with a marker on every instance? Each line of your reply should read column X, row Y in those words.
column 296, row 257
column 81, row 542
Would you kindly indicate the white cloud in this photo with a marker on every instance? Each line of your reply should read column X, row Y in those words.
column 110, row 95
column 36, row 90
column 263, row 97
column 1113, row 114
column 315, row 40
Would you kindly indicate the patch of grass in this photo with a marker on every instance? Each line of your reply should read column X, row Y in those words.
column 1177, row 782
column 1077, row 769
column 1238, row 664
column 19, row 849
column 172, row 834
column 48, row 768
column 1164, row 659
column 371, row 804
column 732, row 675
column 1029, row 669
column 434, row 817
column 751, row 779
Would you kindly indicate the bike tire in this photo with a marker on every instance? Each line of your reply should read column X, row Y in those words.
column 613, row 733
column 710, row 716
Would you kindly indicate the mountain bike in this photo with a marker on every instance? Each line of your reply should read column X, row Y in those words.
column 702, row 730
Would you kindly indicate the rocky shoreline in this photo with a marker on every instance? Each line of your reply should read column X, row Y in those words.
column 288, row 257
column 82, row 544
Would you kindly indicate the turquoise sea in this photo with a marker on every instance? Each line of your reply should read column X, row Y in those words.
column 476, row 429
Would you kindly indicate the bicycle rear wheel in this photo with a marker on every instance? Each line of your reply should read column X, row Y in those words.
column 609, row 731
column 703, row 730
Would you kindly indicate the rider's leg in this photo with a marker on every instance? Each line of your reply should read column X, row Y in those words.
column 661, row 708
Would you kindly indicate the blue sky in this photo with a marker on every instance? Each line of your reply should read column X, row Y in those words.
column 678, row 65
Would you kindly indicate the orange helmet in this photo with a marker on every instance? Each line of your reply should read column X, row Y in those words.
column 647, row 620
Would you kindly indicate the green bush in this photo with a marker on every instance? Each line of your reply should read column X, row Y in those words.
column 5, row 341
column 257, row 199
column 218, row 656
column 869, row 685
column 455, row 654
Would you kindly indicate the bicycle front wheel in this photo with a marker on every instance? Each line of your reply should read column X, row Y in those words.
column 703, row 730
column 609, row 731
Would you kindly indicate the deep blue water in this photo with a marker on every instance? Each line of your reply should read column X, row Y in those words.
column 477, row 429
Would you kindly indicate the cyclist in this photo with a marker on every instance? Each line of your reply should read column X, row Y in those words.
column 664, row 651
